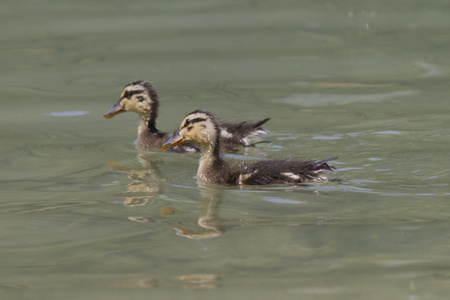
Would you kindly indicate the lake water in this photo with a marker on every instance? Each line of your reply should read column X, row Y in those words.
column 85, row 215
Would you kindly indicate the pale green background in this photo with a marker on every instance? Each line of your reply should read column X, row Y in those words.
column 367, row 81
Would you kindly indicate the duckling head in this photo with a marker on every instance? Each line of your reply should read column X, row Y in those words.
column 138, row 96
column 199, row 127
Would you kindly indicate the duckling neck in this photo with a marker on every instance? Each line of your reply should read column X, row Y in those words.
column 211, row 164
column 151, row 127
column 147, row 131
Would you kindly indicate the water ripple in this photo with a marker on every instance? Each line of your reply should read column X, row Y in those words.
column 69, row 113
column 316, row 99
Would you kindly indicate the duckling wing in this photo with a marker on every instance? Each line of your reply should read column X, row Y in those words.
column 278, row 171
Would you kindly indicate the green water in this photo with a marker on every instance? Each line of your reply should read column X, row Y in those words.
column 80, row 210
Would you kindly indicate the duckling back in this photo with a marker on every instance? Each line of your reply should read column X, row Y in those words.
column 243, row 133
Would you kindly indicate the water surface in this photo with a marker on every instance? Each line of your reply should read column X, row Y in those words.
column 84, row 214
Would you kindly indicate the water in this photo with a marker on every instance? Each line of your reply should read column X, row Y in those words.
column 86, row 215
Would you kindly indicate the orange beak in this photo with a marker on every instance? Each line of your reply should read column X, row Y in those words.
column 175, row 140
column 115, row 110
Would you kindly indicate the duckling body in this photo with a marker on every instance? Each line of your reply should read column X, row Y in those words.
column 142, row 98
column 202, row 128
column 271, row 171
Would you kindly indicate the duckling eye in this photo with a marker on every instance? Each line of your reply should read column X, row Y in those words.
column 188, row 121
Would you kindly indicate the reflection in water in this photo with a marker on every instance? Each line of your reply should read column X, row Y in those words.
column 199, row 281
column 214, row 226
column 148, row 180
column 209, row 219
column 138, row 282
column 142, row 219
column 144, row 180
column 168, row 211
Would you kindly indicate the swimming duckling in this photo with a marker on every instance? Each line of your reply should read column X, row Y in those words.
column 202, row 128
column 142, row 98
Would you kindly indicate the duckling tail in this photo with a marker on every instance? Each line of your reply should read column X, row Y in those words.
column 260, row 123
column 322, row 165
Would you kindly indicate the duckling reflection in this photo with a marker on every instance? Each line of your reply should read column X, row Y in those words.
column 209, row 217
column 145, row 181
column 215, row 226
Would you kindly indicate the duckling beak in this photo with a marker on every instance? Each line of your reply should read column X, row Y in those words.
column 115, row 110
column 175, row 140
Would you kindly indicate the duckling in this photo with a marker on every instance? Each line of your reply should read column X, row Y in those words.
column 202, row 128
column 142, row 98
